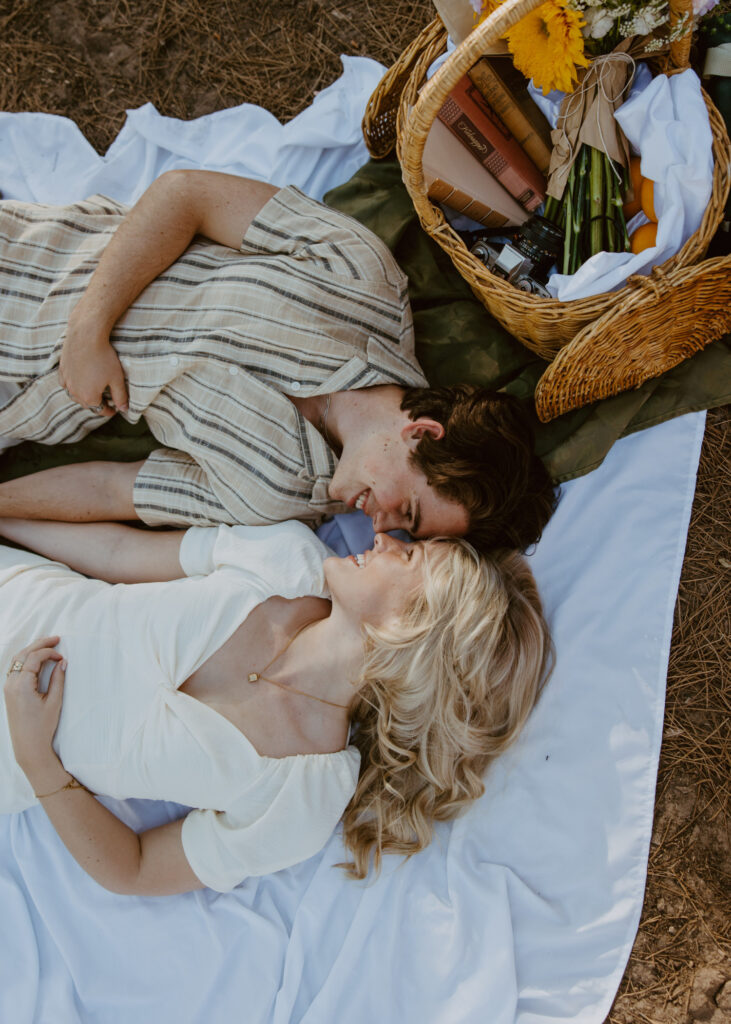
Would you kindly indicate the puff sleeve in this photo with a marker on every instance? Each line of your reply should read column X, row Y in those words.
column 284, row 559
column 287, row 816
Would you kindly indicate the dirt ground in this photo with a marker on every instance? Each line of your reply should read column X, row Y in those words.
column 92, row 59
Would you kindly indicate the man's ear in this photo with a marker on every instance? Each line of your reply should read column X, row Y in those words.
column 413, row 431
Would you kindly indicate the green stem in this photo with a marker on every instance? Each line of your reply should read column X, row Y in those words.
column 577, row 210
column 567, row 203
column 552, row 210
column 597, row 210
column 610, row 178
column 623, row 244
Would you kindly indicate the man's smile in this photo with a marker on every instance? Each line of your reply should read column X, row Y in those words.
column 360, row 501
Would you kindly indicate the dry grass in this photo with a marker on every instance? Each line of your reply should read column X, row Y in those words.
column 189, row 57
column 686, row 922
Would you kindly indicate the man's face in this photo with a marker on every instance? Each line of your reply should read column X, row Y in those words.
column 375, row 474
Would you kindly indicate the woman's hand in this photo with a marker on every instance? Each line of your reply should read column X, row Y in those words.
column 91, row 373
column 33, row 716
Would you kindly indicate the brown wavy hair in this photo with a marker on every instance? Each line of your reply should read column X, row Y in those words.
column 442, row 693
column 486, row 462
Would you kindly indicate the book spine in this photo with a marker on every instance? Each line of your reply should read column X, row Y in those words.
column 457, row 199
column 481, row 131
column 506, row 106
column 516, row 84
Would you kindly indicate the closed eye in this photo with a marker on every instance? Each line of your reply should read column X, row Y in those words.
column 415, row 518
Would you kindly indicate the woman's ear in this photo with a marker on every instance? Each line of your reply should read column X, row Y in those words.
column 413, row 431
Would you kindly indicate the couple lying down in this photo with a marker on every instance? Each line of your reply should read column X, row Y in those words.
column 242, row 670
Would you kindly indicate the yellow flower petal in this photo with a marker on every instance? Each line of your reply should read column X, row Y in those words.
column 547, row 46
column 487, row 8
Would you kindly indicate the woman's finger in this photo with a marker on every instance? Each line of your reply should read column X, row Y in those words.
column 54, row 694
column 35, row 661
column 46, row 641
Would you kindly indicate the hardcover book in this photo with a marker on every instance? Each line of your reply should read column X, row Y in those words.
column 454, row 177
column 517, row 84
column 470, row 118
column 510, row 106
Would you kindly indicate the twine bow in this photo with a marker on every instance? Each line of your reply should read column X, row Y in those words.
column 587, row 116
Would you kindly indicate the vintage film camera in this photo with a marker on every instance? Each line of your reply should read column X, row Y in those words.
column 526, row 260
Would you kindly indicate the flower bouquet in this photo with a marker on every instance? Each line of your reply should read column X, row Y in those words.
column 587, row 49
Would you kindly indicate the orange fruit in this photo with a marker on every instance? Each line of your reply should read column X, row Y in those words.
column 632, row 206
column 647, row 198
column 644, row 237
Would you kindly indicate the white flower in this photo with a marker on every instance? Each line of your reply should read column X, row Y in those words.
column 643, row 22
column 598, row 23
column 702, row 7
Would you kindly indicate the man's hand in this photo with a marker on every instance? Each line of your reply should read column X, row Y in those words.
column 175, row 208
column 91, row 372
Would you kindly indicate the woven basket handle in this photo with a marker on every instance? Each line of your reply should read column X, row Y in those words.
column 414, row 128
column 680, row 49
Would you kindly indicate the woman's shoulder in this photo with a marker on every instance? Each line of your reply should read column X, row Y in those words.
column 285, row 558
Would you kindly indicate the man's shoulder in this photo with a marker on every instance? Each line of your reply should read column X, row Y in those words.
column 347, row 249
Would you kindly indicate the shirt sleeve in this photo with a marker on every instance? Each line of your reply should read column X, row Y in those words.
column 285, row 559
column 287, row 816
column 293, row 224
column 171, row 489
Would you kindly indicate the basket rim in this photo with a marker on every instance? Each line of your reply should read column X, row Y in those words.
column 415, row 120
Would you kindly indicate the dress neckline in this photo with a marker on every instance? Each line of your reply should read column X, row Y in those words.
column 207, row 709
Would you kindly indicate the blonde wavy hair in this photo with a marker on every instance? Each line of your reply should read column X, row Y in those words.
column 442, row 694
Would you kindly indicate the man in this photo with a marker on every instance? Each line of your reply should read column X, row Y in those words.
column 255, row 363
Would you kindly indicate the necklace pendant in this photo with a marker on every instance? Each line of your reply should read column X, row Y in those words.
column 253, row 677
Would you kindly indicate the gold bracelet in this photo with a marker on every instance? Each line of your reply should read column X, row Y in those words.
column 73, row 783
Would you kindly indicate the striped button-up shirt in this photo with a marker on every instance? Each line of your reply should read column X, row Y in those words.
column 313, row 304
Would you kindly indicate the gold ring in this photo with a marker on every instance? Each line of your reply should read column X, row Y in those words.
column 17, row 666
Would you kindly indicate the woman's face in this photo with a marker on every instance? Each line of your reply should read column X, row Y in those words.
column 376, row 587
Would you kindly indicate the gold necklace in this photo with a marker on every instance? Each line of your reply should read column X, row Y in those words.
column 254, row 677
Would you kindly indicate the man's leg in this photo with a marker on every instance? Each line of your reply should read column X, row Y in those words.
column 84, row 492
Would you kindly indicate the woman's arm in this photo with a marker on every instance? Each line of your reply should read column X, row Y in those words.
column 150, row 864
column 106, row 551
column 175, row 208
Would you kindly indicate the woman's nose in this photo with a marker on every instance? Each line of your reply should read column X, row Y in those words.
column 384, row 542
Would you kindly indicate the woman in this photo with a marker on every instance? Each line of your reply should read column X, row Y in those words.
column 234, row 692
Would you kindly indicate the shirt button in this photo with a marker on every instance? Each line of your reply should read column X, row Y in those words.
column 295, row 385
column 233, row 370
column 174, row 360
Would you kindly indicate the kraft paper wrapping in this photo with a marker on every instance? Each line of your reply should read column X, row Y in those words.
column 587, row 116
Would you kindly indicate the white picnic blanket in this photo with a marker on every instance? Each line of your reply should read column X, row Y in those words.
column 525, row 909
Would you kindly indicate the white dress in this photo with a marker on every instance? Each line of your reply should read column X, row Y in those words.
column 126, row 730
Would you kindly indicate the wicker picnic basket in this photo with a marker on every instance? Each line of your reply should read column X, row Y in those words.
column 609, row 342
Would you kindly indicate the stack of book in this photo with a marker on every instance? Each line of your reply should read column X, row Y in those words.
column 496, row 176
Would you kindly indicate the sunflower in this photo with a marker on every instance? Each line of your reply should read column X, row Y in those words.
column 547, row 45
column 486, row 9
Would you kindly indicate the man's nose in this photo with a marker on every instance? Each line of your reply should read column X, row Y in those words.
column 392, row 516
column 384, row 542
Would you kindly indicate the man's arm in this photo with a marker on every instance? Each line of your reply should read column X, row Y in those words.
column 175, row 208
column 83, row 492
column 107, row 551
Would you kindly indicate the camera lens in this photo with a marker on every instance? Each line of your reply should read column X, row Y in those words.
column 540, row 242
